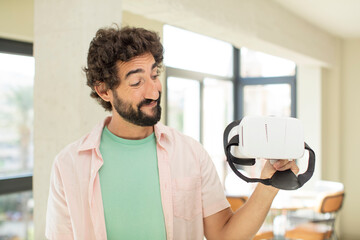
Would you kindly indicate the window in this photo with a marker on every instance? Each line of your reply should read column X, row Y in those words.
column 199, row 87
column 267, row 99
column 258, row 64
column 218, row 112
column 194, row 52
column 16, row 139
column 267, row 85
column 210, row 83
column 183, row 105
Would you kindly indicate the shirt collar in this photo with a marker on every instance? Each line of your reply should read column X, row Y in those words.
column 92, row 140
column 160, row 133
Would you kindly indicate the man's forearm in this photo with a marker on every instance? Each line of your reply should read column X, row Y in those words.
column 246, row 222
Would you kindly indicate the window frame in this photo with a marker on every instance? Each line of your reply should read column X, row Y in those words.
column 20, row 182
column 239, row 83
column 248, row 81
column 197, row 76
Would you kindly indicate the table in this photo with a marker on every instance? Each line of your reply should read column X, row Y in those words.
column 287, row 201
column 294, row 200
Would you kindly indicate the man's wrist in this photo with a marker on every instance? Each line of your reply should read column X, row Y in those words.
column 267, row 189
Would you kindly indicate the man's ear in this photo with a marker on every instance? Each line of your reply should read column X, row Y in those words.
column 104, row 92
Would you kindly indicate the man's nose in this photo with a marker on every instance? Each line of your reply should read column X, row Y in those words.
column 152, row 91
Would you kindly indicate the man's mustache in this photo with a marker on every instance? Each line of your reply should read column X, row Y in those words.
column 148, row 101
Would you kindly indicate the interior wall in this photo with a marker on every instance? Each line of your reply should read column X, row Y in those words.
column 350, row 130
column 17, row 20
column 63, row 108
column 308, row 93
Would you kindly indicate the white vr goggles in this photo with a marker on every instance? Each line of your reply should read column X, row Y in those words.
column 269, row 138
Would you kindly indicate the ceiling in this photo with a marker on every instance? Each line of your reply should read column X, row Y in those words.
column 338, row 17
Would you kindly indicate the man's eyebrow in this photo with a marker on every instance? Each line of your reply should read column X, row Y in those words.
column 133, row 72
column 139, row 70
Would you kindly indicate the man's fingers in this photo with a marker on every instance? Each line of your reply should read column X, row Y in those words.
column 283, row 165
column 280, row 163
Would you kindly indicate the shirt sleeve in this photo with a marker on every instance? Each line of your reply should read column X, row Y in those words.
column 213, row 195
column 58, row 221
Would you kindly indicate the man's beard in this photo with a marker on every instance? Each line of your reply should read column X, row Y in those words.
column 136, row 116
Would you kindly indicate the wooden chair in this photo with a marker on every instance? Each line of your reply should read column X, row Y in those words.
column 264, row 235
column 236, row 203
column 320, row 228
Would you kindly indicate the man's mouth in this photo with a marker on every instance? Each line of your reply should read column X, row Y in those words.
column 151, row 104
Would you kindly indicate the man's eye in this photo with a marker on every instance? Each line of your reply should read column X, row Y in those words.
column 135, row 84
column 155, row 76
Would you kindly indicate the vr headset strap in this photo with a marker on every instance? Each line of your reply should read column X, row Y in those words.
column 235, row 142
column 303, row 178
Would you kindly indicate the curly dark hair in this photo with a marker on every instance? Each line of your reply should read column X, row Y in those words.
column 113, row 44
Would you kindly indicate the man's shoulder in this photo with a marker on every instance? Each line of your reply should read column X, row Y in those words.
column 85, row 143
column 72, row 148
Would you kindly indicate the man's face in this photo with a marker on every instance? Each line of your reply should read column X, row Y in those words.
column 137, row 98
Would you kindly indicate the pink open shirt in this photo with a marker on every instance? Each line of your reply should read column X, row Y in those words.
column 189, row 185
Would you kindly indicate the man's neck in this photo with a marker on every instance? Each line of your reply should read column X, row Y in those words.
column 126, row 130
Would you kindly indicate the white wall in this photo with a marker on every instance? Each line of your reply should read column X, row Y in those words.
column 350, row 137
column 62, row 106
column 17, row 20
column 308, row 88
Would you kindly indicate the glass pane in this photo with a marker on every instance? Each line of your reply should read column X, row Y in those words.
column 16, row 216
column 268, row 100
column 258, row 64
column 183, row 110
column 195, row 52
column 218, row 113
column 16, row 114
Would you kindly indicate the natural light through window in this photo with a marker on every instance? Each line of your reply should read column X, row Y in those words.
column 195, row 52
column 199, row 88
column 267, row 100
column 184, row 105
column 16, row 114
column 259, row 64
column 218, row 113
column 16, row 143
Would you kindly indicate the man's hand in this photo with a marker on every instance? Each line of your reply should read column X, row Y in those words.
column 280, row 165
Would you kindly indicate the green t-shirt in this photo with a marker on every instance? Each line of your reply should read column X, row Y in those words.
column 130, row 188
